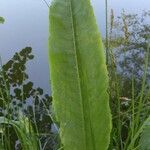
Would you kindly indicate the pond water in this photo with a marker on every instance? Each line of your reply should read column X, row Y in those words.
column 27, row 25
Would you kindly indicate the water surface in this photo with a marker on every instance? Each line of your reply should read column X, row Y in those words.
column 27, row 25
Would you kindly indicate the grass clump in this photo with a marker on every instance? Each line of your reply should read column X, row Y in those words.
column 128, row 65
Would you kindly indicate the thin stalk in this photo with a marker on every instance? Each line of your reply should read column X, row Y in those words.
column 106, row 15
column 46, row 3
column 133, row 122
column 35, row 123
column 133, row 108
column 113, row 74
column 140, row 106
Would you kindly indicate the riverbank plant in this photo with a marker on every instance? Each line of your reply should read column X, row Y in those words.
column 79, row 76
column 82, row 88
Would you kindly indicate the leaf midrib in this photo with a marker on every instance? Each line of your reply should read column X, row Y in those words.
column 78, row 73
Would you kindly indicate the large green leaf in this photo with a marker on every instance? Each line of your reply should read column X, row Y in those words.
column 78, row 76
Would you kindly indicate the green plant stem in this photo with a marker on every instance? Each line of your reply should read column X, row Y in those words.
column 106, row 36
column 140, row 106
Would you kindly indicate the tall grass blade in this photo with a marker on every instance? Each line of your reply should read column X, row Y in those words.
column 78, row 76
column 138, row 133
column 24, row 132
column 145, row 136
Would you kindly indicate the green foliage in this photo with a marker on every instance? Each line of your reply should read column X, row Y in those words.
column 16, row 88
column 145, row 137
column 78, row 76
column 129, row 36
column 2, row 20
column 24, row 132
column 128, row 67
